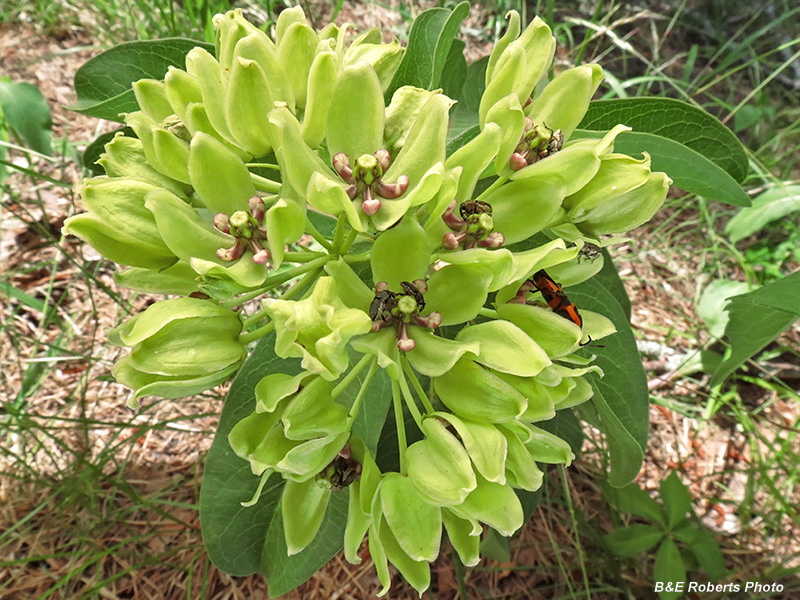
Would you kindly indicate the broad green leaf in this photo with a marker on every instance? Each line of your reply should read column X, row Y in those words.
column 674, row 120
column 608, row 276
column 635, row 501
column 756, row 319
column 689, row 170
column 773, row 204
column 3, row 138
column 103, row 84
column 633, row 540
column 374, row 406
column 624, row 385
column 669, row 567
column 495, row 546
column 474, row 86
column 455, row 71
column 429, row 43
column 234, row 536
column 676, row 498
column 710, row 307
column 97, row 147
column 706, row 549
column 26, row 114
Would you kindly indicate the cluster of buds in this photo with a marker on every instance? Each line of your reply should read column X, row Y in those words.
column 416, row 272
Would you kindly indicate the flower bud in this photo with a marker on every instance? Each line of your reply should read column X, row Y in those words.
column 415, row 523
column 219, row 177
column 303, row 508
column 212, row 81
column 247, row 103
column 259, row 48
column 384, row 58
column 124, row 157
column 118, row 225
column 321, row 83
column 151, row 97
column 296, row 50
column 622, row 195
column 180, row 347
column 181, row 90
column 356, row 114
column 565, row 100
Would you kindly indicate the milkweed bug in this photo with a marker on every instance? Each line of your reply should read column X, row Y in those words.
column 556, row 298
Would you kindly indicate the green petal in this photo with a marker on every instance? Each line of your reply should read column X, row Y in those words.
column 425, row 146
column 273, row 388
column 523, row 208
column 401, row 114
column 474, row 156
column 259, row 47
column 475, row 393
column 458, row 292
column 507, row 77
column 416, row 524
column 553, row 333
column 401, row 254
column 220, row 179
column 322, row 80
column 296, row 50
column 459, row 531
column 522, row 469
column 511, row 34
column 393, row 210
column 349, row 286
column 124, row 157
column 285, row 224
column 383, row 345
column 212, row 81
column 506, row 348
column 312, row 413
column 181, row 90
column 358, row 523
column 439, row 466
column 151, row 97
column 303, row 507
column 541, row 405
column 243, row 273
column 307, row 459
column 172, row 154
column 507, row 114
column 248, row 100
column 179, row 279
column 494, row 504
column 416, row 573
column 548, row 448
column 484, row 443
column 499, row 262
column 434, row 355
column 355, row 117
column 565, row 100
column 183, row 231
column 327, row 195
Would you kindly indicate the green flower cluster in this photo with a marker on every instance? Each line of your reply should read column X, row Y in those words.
column 428, row 270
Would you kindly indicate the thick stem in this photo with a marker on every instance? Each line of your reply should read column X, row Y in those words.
column 275, row 280
column 412, row 406
column 417, row 386
column 318, row 237
column 338, row 235
column 263, row 184
column 256, row 334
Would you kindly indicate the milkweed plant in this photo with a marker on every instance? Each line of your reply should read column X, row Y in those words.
column 397, row 275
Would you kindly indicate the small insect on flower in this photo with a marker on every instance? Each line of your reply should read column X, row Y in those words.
column 412, row 290
column 474, row 207
column 380, row 309
column 589, row 252
column 556, row 298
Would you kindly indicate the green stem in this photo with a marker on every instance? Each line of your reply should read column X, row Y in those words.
column 354, row 258
column 265, row 166
column 246, row 338
column 412, row 406
column 301, row 257
column 351, row 237
column 401, row 426
column 351, row 416
column 351, row 375
column 417, row 386
column 488, row 312
column 277, row 279
column 338, row 234
column 500, row 181
column 321, row 239
column 263, row 184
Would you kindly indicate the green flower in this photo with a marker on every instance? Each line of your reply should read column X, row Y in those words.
column 179, row 347
column 317, row 329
